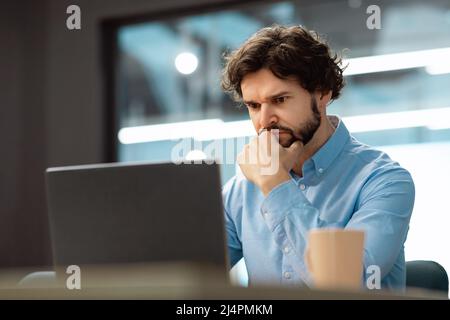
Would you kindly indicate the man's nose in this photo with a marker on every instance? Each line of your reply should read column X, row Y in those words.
column 267, row 116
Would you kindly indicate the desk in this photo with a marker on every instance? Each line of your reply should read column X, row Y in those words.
column 182, row 282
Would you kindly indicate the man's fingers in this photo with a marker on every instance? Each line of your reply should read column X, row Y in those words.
column 243, row 156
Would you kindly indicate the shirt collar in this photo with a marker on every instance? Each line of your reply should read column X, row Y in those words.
column 323, row 157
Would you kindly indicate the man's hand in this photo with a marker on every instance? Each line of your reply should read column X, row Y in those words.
column 266, row 163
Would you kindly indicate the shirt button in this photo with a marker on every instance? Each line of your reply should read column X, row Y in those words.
column 287, row 275
column 286, row 249
column 266, row 215
column 302, row 186
column 320, row 170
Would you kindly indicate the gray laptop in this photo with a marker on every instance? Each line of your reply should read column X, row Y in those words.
column 136, row 213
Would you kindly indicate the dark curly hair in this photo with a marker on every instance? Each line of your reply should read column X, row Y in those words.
column 288, row 52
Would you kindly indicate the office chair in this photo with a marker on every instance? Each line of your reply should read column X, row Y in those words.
column 427, row 275
column 39, row 279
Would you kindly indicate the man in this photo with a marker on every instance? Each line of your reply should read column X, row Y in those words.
column 286, row 77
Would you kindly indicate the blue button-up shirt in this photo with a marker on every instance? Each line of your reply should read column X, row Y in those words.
column 345, row 184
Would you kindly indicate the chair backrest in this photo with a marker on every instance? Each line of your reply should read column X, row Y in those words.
column 427, row 275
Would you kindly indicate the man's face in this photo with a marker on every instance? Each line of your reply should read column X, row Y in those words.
column 274, row 103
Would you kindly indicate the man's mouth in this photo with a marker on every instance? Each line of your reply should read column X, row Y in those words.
column 294, row 137
column 280, row 131
column 283, row 132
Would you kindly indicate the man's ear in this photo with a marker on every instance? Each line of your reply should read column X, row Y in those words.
column 325, row 98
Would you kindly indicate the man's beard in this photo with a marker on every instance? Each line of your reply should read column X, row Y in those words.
column 306, row 133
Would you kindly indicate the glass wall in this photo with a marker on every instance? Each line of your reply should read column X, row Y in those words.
column 397, row 95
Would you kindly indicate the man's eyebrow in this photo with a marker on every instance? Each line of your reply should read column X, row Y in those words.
column 279, row 94
column 282, row 93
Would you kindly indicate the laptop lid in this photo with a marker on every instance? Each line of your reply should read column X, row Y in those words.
column 136, row 212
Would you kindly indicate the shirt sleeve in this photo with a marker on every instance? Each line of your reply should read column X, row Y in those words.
column 233, row 242
column 383, row 213
column 232, row 206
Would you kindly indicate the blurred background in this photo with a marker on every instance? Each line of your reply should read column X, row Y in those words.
column 141, row 75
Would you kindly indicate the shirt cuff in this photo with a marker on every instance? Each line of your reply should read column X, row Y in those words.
column 280, row 201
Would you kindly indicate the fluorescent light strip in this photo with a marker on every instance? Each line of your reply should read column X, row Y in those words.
column 214, row 129
column 169, row 131
column 397, row 61
column 435, row 69
column 430, row 118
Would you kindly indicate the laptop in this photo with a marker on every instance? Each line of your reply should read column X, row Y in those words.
column 136, row 213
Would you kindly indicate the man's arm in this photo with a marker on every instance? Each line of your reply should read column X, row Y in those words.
column 385, row 208
column 232, row 208
column 384, row 211
column 233, row 242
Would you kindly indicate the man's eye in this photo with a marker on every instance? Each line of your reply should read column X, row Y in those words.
column 279, row 100
column 252, row 105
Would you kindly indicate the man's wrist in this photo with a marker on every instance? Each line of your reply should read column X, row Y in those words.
column 272, row 181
